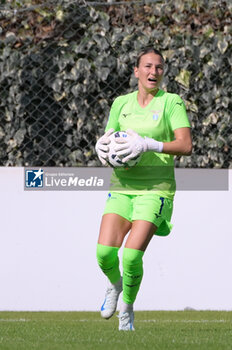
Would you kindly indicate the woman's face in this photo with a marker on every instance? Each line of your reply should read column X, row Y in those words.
column 150, row 71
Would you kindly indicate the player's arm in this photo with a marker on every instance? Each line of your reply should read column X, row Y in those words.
column 112, row 122
column 179, row 124
column 182, row 145
column 101, row 146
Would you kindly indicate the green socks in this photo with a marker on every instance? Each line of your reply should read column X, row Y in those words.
column 132, row 273
column 108, row 261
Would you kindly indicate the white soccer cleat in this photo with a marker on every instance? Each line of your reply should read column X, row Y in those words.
column 111, row 299
column 126, row 321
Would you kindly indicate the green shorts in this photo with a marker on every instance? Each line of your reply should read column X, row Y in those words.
column 150, row 207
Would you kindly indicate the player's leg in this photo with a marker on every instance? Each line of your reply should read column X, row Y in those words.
column 151, row 215
column 112, row 232
column 136, row 244
column 114, row 228
column 115, row 225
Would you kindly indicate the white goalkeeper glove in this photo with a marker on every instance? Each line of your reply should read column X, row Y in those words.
column 129, row 148
column 101, row 146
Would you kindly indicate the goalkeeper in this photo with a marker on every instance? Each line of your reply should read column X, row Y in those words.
column 140, row 201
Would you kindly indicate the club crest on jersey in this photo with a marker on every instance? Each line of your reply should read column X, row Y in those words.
column 155, row 115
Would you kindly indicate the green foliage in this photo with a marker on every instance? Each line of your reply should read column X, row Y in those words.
column 63, row 63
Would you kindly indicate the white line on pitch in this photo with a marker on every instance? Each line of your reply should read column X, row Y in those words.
column 185, row 321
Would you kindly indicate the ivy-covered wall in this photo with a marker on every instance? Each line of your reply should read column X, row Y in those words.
column 62, row 63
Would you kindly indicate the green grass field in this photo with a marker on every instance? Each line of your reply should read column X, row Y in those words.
column 161, row 330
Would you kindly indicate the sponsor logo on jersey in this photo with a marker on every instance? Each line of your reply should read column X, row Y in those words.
column 126, row 114
column 109, row 196
column 34, row 178
column 179, row 103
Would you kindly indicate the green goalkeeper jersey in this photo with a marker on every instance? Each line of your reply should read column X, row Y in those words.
column 158, row 120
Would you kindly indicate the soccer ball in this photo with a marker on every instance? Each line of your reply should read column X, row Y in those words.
column 113, row 159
